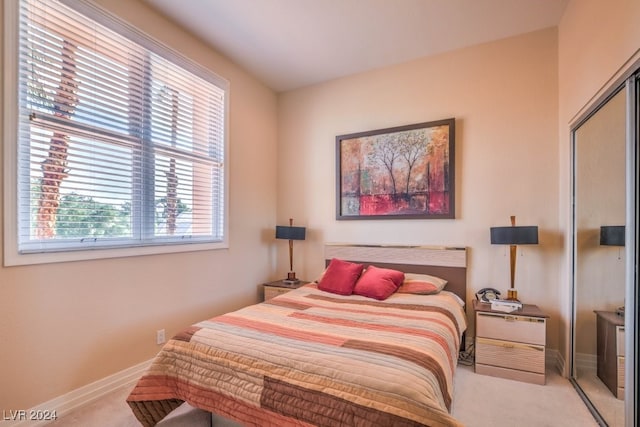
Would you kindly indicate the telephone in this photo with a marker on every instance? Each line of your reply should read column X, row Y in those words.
column 487, row 294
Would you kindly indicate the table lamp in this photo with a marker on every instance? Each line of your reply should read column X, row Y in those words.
column 613, row 235
column 290, row 233
column 514, row 236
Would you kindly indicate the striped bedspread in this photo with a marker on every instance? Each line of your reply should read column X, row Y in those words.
column 309, row 357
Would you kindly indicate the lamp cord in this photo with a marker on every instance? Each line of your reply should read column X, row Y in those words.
column 467, row 356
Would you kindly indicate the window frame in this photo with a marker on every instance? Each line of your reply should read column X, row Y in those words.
column 12, row 256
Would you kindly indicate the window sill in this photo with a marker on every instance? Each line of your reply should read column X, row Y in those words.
column 12, row 258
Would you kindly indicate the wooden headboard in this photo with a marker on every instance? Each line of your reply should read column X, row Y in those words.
column 446, row 262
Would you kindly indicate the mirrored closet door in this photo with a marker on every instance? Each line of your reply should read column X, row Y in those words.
column 602, row 143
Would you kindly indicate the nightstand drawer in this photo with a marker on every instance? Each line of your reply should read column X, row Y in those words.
column 620, row 340
column 512, row 355
column 279, row 287
column 510, row 327
column 511, row 374
column 272, row 292
column 620, row 394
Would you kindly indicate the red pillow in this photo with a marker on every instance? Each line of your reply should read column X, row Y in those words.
column 340, row 277
column 378, row 283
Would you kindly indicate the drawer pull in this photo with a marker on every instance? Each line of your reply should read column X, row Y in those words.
column 511, row 317
column 509, row 344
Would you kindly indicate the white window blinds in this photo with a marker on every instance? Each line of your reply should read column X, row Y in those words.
column 121, row 142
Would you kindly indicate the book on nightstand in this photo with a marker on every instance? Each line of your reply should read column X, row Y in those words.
column 506, row 306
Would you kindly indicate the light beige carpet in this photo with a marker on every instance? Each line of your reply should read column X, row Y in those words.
column 479, row 401
column 611, row 409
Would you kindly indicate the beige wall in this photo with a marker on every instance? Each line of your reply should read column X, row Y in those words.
column 65, row 325
column 504, row 98
column 597, row 42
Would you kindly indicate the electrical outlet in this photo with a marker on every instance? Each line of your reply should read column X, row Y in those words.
column 160, row 336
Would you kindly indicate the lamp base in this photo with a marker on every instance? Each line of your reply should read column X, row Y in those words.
column 291, row 278
column 512, row 295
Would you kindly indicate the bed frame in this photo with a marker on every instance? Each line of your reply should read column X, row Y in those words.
column 449, row 263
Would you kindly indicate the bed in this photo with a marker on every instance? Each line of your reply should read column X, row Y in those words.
column 312, row 357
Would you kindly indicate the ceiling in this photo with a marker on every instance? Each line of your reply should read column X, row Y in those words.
column 289, row 44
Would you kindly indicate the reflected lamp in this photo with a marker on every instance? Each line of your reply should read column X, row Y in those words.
column 612, row 235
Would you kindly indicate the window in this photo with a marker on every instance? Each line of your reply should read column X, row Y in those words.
column 120, row 141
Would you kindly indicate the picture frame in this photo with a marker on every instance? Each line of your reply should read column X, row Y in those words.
column 403, row 172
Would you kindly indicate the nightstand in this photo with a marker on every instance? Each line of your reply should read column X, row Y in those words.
column 511, row 345
column 610, row 345
column 279, row 287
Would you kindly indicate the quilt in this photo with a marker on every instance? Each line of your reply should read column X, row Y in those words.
column 312, row 358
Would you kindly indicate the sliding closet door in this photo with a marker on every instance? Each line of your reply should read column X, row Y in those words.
column 604, row 327
column 631, row 318
column 600, row 201
column 604, row 332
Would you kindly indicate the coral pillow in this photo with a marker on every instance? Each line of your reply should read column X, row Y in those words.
column 378, row 283
column 421, row 284
column 340, row 277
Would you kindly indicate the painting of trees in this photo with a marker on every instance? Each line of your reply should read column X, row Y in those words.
column 404, row 172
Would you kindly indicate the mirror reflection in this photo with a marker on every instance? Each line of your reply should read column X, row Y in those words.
column 599, row 276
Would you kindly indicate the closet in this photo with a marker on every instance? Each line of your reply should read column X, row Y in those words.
column 604, row 247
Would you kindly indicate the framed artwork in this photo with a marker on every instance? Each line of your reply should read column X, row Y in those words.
column 405, row 172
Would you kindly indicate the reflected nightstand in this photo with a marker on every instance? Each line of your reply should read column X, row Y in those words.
column 610, row 347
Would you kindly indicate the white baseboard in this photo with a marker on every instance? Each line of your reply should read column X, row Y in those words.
column 587, row 361
column 554, row 359
column 74, row 399
column 583, row 361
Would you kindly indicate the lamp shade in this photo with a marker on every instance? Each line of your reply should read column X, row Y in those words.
column 290, row 233
column 612, row 235
column 514, row 235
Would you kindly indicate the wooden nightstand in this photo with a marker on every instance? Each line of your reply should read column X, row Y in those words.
column 511, row 345
column 610, row 345
column 279, row 287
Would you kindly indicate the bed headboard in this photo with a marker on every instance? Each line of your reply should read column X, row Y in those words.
column 449, row 263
